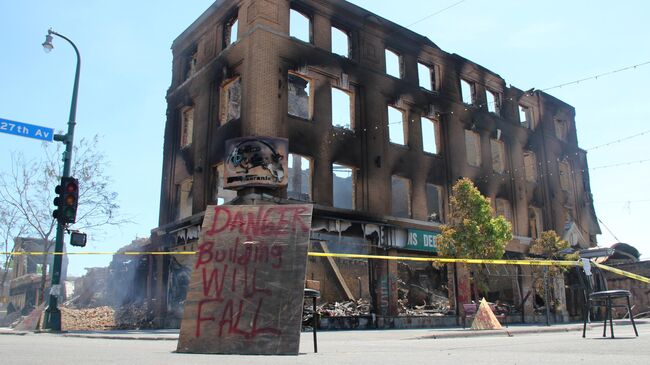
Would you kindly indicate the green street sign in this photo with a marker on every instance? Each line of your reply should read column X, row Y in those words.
column 421, row 240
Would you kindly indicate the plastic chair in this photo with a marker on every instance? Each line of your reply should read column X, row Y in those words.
column 602, row 297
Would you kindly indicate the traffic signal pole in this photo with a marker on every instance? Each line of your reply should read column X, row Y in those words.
column 52, row 317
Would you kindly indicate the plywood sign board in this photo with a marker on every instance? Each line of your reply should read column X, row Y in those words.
column 246, row 288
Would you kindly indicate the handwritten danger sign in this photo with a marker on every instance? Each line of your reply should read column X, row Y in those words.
column 246, row 289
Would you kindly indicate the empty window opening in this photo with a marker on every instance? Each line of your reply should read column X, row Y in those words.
column 231, row 100
column 504, row 209
column 526, row 117
column 231, row 31
column 396, row 126
column 530, row 166
column 400, row 197
column 341, row 108
column 343, row 186
column 299, row 96
column 425, row 76
column 219, row 194
column 434, row 203
column 493, row 102
column 299, row 26
column 191, row 63
column 535, row 223
column 393, row 63
column 340, row 42
column 473, row 148
column 430, row 135
column 299, row 186
column 498, row 156
column 187, row 126
column 185, row 198
column 561, row 129
column 467, row 92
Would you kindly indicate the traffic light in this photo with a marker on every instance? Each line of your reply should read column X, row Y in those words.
column 78, row 239
column 67, row 200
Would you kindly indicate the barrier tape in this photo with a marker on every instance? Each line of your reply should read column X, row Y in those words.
column 362, row 256
column 623, row 273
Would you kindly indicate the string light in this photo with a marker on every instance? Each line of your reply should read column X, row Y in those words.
column 597, row 76
column 618, row 140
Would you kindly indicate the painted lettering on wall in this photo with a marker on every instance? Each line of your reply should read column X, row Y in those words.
column 243, row 277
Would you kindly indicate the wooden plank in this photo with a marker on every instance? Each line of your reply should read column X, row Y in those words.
column 335, row 267
column 246, row 289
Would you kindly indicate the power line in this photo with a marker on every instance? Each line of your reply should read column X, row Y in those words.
column 619, row 164
column 597, row 76
column 618, row 140
column 436, row 13
column 608, row 230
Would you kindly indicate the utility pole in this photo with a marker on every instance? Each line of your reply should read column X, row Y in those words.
column 52, row 318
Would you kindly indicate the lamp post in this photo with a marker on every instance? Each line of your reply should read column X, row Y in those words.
column 52, row 318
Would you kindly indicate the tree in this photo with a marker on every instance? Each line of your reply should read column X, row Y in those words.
column 27, row 194
column 473, row 231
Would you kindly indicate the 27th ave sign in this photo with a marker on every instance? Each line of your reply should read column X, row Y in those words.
column 26, row 130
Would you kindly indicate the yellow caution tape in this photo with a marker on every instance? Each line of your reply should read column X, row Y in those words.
column 379, row 257
column 623, row 273
column 451, row 260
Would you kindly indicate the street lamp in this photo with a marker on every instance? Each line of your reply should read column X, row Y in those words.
column 52, row 318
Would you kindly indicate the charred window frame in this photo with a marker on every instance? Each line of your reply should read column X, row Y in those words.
column 300, row 25
column 299, row 98
column 493, row 101
column 186, row 126
column 561, row 129
column 230, row 99
column 564, row 168
column 467, row 92
column 185, row 198
column 526, row 117
column 400, row 197
column 342, row 108
column 231, row 30
column 300, row 177
column 429, row 76
column 397, row 127
column 430, row 135
column 504, row 208
column 434, row 203
column 190, row 62
column 394, row 63
column 343, row 186
column 498, row 150
column 220, row 195
column 530, row 166
column 473, row 148
column 340, row 42
column 535, row 222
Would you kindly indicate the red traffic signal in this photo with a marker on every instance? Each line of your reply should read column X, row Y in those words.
column 67, row 200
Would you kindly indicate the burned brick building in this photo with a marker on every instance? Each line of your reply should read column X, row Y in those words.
column 380, row 123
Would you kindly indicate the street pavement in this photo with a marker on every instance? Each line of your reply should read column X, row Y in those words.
column 518, row 344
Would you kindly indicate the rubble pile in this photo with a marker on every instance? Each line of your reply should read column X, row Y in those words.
column 134, row 316
column 358, row 307
column 89, row 319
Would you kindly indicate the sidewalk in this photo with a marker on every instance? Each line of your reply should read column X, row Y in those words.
column 413, row 334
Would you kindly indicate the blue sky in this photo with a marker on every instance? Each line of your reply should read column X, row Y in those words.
column 126, row 70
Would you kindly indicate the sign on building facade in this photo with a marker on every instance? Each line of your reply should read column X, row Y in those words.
column 256, row 161
column 420, row 240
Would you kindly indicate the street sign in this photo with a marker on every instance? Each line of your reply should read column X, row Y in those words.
column 420, row 240
column 26, row 130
